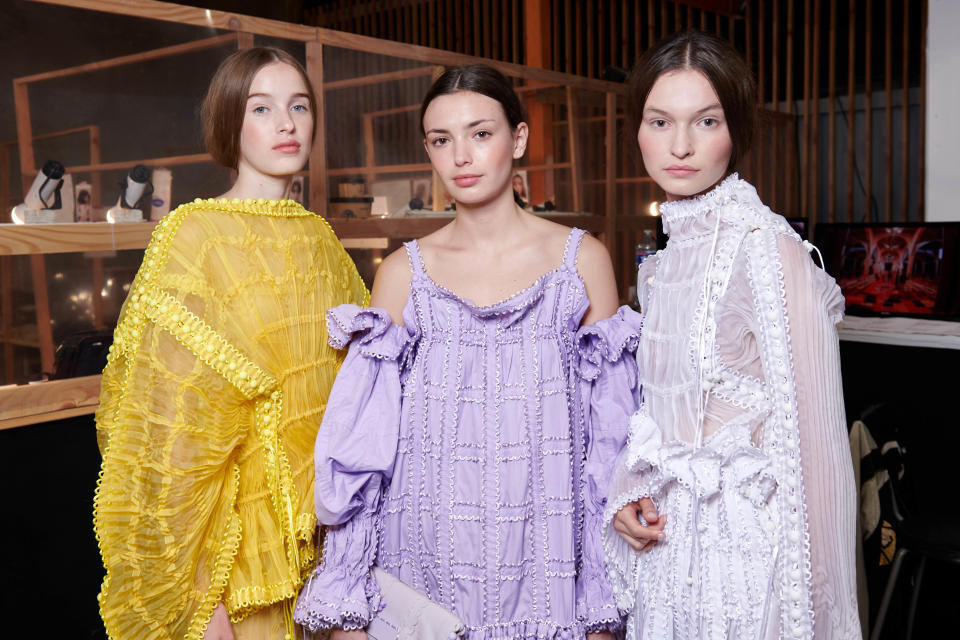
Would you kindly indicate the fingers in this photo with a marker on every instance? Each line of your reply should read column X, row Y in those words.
column 628, row 526
column 648, row 510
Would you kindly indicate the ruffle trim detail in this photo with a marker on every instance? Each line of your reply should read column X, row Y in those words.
column 527, row 630
column 604, row 619
column 342, row 592
column 221, row 572
column 698, row 470
column 347, row 614
column 607, row 340
column 622, row 561
column 372, row 329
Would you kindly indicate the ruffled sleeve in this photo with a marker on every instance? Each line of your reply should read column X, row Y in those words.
column 610, row 394
column 355, row 452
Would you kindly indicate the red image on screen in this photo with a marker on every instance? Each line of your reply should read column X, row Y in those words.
column 891, row 269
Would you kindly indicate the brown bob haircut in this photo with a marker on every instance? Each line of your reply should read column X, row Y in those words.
column 723, row 66
column 224, row 105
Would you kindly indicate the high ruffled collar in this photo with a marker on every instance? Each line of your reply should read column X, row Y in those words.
column 693, row 215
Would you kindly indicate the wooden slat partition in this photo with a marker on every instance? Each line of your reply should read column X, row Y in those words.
column 797, row 53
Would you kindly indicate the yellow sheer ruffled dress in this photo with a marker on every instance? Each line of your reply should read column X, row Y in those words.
column 211, row 400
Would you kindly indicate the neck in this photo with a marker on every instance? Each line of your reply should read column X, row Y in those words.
column 489, row 223
column 258, row 185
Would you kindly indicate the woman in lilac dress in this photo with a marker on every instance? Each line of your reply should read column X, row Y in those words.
column 465, row 447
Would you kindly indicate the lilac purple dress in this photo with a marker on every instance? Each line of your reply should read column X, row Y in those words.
column 468, row 453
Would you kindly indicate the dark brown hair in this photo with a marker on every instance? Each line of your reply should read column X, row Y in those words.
column 723, row 66
column 224, row 105
column 481, row 79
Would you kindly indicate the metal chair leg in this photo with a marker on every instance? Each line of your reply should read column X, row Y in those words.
column 918, row 577
column 888, row 593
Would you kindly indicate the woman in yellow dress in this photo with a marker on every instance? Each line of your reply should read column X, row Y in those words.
column 217, row 381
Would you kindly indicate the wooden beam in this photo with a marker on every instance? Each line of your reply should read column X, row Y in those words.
column 610, row 196
column 379, row 78
column 182, row 14
column 436, row 56
column 169, row 161
column 318, row 152
column 133, row 58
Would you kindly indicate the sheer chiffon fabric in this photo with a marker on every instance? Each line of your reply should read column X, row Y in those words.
column 738, row 336
column 209, row 408
column 467, row 453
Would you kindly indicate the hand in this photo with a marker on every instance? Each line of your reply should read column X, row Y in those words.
column 340, row 634
column 600, row 635
column 627, row 524
column 219, row 627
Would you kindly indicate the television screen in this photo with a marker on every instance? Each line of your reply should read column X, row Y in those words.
column 907, row 269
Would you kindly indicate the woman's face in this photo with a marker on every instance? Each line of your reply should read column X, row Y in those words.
column 472, row 147
column 277, row 127
column 683, row 134
column 518, row 185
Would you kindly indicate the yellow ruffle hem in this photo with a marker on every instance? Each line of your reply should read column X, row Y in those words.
column 211, row 400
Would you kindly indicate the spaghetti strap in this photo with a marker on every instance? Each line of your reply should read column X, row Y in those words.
column 572, row 248
column 416, row 261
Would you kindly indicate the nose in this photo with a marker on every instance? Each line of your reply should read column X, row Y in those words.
column 681, row 146
column 461, row 154
column 284, row 122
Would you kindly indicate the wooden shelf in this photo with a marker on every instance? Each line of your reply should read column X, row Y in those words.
column 32, row 239
column 51, row 400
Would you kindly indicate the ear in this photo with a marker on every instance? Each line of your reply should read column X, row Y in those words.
column 520, row 137
column 425, row 147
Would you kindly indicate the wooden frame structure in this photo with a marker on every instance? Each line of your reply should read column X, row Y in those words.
column 37, row 241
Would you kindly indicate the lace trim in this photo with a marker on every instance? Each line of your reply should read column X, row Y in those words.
column 225, row 559
column 513, row 301
column 782, row 436
column 128, row 336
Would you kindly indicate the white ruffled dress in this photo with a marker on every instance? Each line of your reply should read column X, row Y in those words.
column 741, row 438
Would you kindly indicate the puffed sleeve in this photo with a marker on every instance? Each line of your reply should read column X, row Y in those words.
column 814, row 306
column 610, row 395
column 355, row 452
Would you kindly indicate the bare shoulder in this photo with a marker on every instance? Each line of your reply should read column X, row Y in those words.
column 593, row 253
column 596, row 269
column 391, row 285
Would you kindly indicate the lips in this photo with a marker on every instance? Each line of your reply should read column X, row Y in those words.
column 287, row 147
column 681, row 171
column 466, row 179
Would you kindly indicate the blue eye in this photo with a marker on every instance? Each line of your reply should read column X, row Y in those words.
column 300, row 107
column 260, row 109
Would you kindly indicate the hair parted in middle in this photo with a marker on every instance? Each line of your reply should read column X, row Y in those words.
column 224, row 106
column 481, row 79
column 723, row 66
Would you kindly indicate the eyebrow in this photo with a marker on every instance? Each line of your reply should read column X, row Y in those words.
column 468, row 126
column 269, row 95
column 654, row 110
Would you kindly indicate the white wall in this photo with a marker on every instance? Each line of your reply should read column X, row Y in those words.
column 943, row 111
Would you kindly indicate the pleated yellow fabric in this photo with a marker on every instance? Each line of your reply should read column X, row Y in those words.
column 211, row 400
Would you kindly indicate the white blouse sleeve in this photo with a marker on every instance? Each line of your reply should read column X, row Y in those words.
column 814, row 305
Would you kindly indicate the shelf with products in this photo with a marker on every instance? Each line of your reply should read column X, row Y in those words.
column 369, row 90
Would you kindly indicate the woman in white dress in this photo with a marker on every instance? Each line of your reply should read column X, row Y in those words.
column 740, row 441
